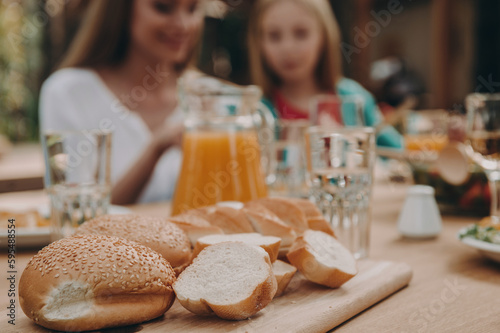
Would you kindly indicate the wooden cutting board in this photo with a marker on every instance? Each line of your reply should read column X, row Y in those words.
column 305, row 306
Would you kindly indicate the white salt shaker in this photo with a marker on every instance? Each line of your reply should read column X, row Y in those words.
column 420, row 216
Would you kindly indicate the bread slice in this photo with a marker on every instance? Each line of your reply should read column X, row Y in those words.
column 232, row 280
column 269, row 243
column 267, row 223
column 315, row 220
column 284, row 273
column 194, row 226
column 287, row 211
column 230, row 220
column 322, row 259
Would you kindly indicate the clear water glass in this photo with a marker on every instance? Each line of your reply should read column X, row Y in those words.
column 77, row 177
column 289, row 159
column 340, row 166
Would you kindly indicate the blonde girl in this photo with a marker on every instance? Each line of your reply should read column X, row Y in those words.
column 295, row 55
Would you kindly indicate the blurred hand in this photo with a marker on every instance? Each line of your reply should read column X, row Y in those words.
column 168, row 136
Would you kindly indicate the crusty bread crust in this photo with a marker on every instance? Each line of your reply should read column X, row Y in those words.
column 320, row 224
column 91, row 282
column 164, row 237
column 267, row 223
column 306, row 260
column 284, row 273
column 287, row 211
column 230, row 220
column 194, row 225
column 315, row 220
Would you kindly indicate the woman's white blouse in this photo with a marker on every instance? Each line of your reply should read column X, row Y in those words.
column 77, row 99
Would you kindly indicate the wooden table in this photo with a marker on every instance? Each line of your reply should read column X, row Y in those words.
column 22, row 168
column 453, row 288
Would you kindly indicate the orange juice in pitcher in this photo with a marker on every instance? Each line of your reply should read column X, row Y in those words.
column 222, row 155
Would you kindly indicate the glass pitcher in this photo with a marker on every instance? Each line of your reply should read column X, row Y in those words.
column 226, row 144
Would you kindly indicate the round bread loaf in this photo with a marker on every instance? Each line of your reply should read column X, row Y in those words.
column 155, row 232
column 90, row 282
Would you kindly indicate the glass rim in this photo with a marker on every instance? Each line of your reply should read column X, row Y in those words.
column 340, row 130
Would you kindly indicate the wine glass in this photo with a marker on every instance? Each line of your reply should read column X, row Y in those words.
column 483, row 141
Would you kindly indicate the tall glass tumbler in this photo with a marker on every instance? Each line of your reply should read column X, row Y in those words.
column 340, row 165
column 77, row 177
column 289, row 159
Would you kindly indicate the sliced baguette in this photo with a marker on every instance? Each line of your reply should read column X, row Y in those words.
column 287, row 211
column 267, row 223
column 230, row 220
column 194, row 226
column 315, row 220
column 269, row 243
column 232, row 280
column 322, row 259
column 284, row 273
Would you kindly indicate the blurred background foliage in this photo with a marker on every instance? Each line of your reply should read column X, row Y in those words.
column 21, row 35
column 435, row 51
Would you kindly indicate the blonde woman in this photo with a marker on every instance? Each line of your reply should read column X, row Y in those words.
column 295, row 55
column 120, row 74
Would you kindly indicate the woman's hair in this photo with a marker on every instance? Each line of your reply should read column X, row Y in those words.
column 329, row 68
column 104, row 36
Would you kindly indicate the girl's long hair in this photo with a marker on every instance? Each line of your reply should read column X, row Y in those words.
column 329, row 68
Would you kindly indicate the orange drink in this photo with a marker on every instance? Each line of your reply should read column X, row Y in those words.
column 219, row 166
column 426, row 142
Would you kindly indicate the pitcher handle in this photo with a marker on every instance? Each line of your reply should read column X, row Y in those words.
column 267, row 137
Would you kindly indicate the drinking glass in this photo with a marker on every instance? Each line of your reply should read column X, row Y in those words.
column 483, row 141
column 77, row 177
column 340, row 166
column 289, row 159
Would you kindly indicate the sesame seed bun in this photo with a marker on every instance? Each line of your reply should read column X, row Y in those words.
column 155, row 232
column 90, row 282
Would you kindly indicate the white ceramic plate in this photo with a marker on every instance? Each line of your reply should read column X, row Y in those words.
column 40, row 236
column 487, row 249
